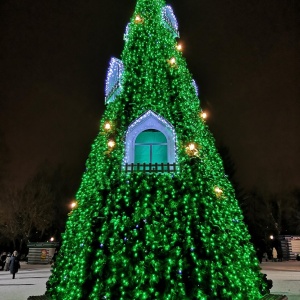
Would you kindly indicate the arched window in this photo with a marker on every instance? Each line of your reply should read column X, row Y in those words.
column 150, row 139
column 151, row 147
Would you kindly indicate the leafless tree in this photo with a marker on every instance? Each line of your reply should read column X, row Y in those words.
column 9, row 227
column 36, row 207
column 291, row 212
column 27, row 212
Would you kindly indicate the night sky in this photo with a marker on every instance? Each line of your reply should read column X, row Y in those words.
column 243, row 54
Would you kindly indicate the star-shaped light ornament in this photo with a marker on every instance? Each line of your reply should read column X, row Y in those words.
column 192, row 150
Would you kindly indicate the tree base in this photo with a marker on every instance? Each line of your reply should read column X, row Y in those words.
column 275, row 297
column 266, row 297
column 42, row 297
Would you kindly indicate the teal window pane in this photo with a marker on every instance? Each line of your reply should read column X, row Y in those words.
column 159, row 154
column 142, row 154
column 151, row 147
column 151, row 136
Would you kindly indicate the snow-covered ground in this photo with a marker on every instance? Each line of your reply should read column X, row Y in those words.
column 31, row 280
column 285, row 276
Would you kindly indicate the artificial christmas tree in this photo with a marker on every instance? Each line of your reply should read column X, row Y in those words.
column 156, row 217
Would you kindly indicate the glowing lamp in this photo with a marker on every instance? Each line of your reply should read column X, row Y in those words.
column 179, row 47
column 138, row 19
column 218, row 191
column 73, row 204
column 192, row 150
column 203, row 115
column 111, row 144
column 107, row 126
column 192, row 147
column 52, row 239
column 172, row 61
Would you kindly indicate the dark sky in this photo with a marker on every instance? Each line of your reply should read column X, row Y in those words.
column 244, row 55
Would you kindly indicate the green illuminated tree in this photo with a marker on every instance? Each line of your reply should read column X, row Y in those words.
column 156, row 217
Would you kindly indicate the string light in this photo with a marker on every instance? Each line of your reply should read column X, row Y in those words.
column 138, row 19
column 203, row 115
column 168, row 223
column 126, row 32
column 195, row 87
column 192, row 150
column 107, row 126
column 73, row 204
column 113, row 86
column 170, row 21
column 179, row 47
column 218, row 191
column 192, row 147
column 111, row 144
column 172, row 62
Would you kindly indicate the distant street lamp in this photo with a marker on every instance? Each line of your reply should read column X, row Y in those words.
column 52, row 239
column 271, row 237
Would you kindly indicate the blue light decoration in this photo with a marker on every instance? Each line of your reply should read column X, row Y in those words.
column 126, row 32
column 113, row 85
column 170, row 21
column 195, row 87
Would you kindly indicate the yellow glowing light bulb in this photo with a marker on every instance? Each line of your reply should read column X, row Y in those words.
column 179, row 47
column 172, row 61
column 192, row 147
column 138, row 19
column 204, row 115
column 111, row 144
column 107, row 126
column 218, row 190
column 73, row 204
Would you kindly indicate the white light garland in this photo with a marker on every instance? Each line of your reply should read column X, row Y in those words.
column 169, row 19
column 113, row 85
column 195, row 87
column 126, row 32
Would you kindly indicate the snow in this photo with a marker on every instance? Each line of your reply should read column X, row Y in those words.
column 31, row 280
column 285, row 276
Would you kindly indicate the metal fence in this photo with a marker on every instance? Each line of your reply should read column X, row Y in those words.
column 150, row 167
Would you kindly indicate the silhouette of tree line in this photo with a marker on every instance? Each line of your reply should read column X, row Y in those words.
column 265, row 214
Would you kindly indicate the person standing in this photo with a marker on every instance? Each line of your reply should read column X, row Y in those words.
column 14, row 264
column 274, row 253
column 2, row 260
column 6, row 267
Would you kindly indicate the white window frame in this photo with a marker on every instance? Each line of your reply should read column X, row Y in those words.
column 149, row 120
